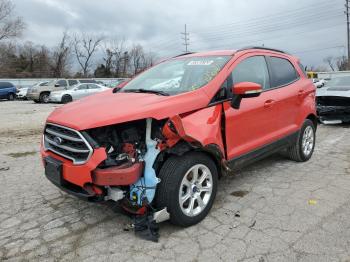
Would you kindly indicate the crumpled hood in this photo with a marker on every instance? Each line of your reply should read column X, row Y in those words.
column 109, row 108
column 333, row 91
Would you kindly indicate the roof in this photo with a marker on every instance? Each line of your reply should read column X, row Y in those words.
column 229, row 52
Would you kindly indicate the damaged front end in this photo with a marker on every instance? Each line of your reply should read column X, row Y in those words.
column 333, row 109
column 120, row 162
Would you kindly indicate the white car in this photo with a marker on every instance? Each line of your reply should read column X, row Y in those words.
column 22, row 93
column 318, row 82
column 75, row 92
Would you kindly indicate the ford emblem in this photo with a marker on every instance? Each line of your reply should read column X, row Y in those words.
column 58, row 140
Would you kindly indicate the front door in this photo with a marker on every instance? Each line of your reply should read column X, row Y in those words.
column 250, row 126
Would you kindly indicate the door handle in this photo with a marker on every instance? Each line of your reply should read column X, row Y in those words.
column 301, row 92
column 269, row 103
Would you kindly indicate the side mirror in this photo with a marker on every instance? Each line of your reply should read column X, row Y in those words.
column 247, row 89
column 57, row 85
column 244, row 90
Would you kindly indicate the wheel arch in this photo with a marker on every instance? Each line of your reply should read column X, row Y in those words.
column 183, row 147
column 313, row 118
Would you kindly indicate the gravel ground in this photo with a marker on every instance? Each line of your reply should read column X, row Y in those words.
column 276, row 210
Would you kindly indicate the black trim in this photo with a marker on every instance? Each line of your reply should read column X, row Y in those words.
column 262, row 152
column 261, row 48
column 188, row 53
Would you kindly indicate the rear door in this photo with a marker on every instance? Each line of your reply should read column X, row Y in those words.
column 250, row 126
column 288, row 95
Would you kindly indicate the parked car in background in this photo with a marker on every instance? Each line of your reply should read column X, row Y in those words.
column 333, row 101
column 76, row 92
column 318, row 82
column 7, row 91
column 22, row 93
column 116, row 83
column 41, row 93
column 160, row 143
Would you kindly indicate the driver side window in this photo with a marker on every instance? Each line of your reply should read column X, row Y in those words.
column 252, row 69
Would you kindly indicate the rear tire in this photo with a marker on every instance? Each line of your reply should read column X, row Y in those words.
column 304, row 147
column 11, row 97
column 188, row 197
column 66, row 99
column 44, row 97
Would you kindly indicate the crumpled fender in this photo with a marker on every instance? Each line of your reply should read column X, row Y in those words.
column 202, row 126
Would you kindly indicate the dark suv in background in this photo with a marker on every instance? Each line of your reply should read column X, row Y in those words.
column 7, row 91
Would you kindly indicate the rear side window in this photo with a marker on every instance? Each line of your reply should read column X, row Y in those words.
column 72, row 82
column 252, row 69
column 282, row 72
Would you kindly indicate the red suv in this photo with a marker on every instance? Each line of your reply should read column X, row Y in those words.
column 162, row 141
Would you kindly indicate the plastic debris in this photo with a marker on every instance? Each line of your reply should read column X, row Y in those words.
column 146, row 228
column 312, row 202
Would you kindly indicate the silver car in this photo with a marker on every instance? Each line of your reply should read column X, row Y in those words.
column 75, row 92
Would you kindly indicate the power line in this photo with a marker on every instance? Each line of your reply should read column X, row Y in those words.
column 347, row 26
column 186, row 39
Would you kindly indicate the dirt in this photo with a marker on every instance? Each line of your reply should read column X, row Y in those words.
column 22, row 154
column 239, row 193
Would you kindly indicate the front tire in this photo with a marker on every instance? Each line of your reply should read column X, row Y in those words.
column 44, row 98
column 188, row 188
column 304, row 147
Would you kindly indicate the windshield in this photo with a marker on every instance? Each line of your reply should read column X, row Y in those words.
column 178, row 75
column 339, row 81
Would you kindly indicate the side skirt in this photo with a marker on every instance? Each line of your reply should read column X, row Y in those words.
column 262, row 152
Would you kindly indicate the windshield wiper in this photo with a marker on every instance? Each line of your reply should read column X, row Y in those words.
column 141, row 90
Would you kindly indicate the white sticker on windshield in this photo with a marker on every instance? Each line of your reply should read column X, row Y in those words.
column 208, row 62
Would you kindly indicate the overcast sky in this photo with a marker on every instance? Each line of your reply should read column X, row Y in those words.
column 310, row 29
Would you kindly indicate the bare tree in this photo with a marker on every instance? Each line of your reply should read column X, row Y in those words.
column 342, row 63
column 60, row 57
column 137, row 57
column 329, row 60
column 85, row 47
column 10, row 26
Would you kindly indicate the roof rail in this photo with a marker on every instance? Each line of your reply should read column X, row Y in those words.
column 263, row 48
column 188, row 53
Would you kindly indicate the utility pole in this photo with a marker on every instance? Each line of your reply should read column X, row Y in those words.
column 347, row 29
column 186, row 39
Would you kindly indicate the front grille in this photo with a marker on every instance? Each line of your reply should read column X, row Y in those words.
column 67, row 143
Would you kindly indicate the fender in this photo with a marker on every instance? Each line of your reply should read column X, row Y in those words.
column 309, row 108
column 201, row 128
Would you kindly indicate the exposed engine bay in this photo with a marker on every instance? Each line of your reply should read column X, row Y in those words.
column 128, row 174
column 131, row 148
